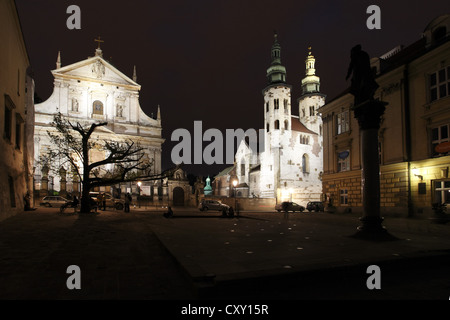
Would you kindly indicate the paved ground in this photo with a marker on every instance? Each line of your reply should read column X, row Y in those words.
column 198, row 255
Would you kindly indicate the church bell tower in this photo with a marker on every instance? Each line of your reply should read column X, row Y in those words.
column 311, row 98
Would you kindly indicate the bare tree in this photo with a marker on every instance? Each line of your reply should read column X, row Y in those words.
column 124, row 161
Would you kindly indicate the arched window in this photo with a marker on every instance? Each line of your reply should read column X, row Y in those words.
column 286, row 124
column 97, row 107
column 267, row 127
column 305, row 163
column 277, row 124
column 276, row 104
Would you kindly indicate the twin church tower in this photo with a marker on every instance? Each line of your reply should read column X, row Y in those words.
column 290, row 167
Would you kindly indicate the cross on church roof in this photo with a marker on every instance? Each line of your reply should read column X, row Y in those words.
column 98, row 40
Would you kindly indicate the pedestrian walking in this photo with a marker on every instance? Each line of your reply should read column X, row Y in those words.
column 75, row 203
column 127, row 202
column 104, row 201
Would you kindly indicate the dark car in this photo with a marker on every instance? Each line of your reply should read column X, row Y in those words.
column 315, row 206
column 212, row 205
column 289, row 206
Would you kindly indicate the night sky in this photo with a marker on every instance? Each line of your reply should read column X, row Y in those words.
column 207, row 59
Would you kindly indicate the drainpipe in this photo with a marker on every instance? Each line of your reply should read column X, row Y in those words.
column 408, row 136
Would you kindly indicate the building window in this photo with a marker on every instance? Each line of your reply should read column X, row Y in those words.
column 242, row 169
column 19, row 122
column 439, row 84
column 304, row 139
column 267, row 128
column 442, row 191
column 343, row 163
column 343, row 196
column 97, row 107
column 286, row 124
column 303, row 113
column 276, row 103
column 267, row 106
column 343, row 124
column 7, row 127
column 277, row 124
column 285, row 105
column 320, row 130
column 439, row 135
column 12, row 193
column 311, row 110
column 305, row 163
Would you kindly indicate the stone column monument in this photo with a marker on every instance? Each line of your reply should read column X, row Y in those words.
column 368, row 112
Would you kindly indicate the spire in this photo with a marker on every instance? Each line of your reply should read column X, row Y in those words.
column 134, row 74
column 158, row 115
column 58, row 60
column 310, row 62
column 311, row 83
column 276, row 73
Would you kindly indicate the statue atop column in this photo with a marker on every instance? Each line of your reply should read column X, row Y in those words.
column 363, row 84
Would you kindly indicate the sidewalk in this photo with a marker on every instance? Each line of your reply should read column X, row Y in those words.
column 142, row 255
column 277, row 249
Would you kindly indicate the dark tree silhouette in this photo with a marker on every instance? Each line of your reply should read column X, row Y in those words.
column 71, row 145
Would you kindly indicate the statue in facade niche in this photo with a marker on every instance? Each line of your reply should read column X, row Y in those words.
column 119, row 112
column 363, row 84
column 74, row 105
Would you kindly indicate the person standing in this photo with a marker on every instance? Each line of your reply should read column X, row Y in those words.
column 104, row 201
column 127, row 202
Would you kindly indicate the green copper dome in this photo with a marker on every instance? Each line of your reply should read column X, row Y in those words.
column 276, row 73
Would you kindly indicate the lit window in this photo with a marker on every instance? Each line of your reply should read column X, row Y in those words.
column 343, row 124
column 439, row 135
column 343, row 196
column 343, row 162
column 439, row 83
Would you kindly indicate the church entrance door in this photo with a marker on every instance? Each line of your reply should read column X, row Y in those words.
column 178, row 196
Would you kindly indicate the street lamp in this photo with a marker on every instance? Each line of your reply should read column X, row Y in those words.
column 234, row 185
column 139, row 193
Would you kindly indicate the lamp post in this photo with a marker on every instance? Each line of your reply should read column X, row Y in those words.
column 234, row 185
column 139, row 193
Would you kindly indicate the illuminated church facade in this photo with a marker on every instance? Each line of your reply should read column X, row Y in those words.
column 290, row 167
column 88, row 91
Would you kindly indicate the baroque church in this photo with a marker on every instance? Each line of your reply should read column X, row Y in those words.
column 290, row 167
column 88, row 91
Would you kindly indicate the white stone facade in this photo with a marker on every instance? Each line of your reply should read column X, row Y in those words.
column 90, row 91
column 291, row 166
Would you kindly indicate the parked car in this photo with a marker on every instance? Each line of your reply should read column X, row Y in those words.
column 213, row 205
column 53, row 201
column 111, row 202
column 289, row 206
column 315, row 206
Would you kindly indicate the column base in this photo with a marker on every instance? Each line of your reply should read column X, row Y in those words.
column 371, row 228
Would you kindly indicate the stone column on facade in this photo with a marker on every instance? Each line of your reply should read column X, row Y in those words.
column 75, row 184
column 62, row 182
column 369, row 115
column 155, row 193
column 44, row 181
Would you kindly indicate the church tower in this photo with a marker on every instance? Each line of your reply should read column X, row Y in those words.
column 311, row 98
column 277, row 115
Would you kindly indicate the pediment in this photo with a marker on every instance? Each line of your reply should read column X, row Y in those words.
column 94, row 69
